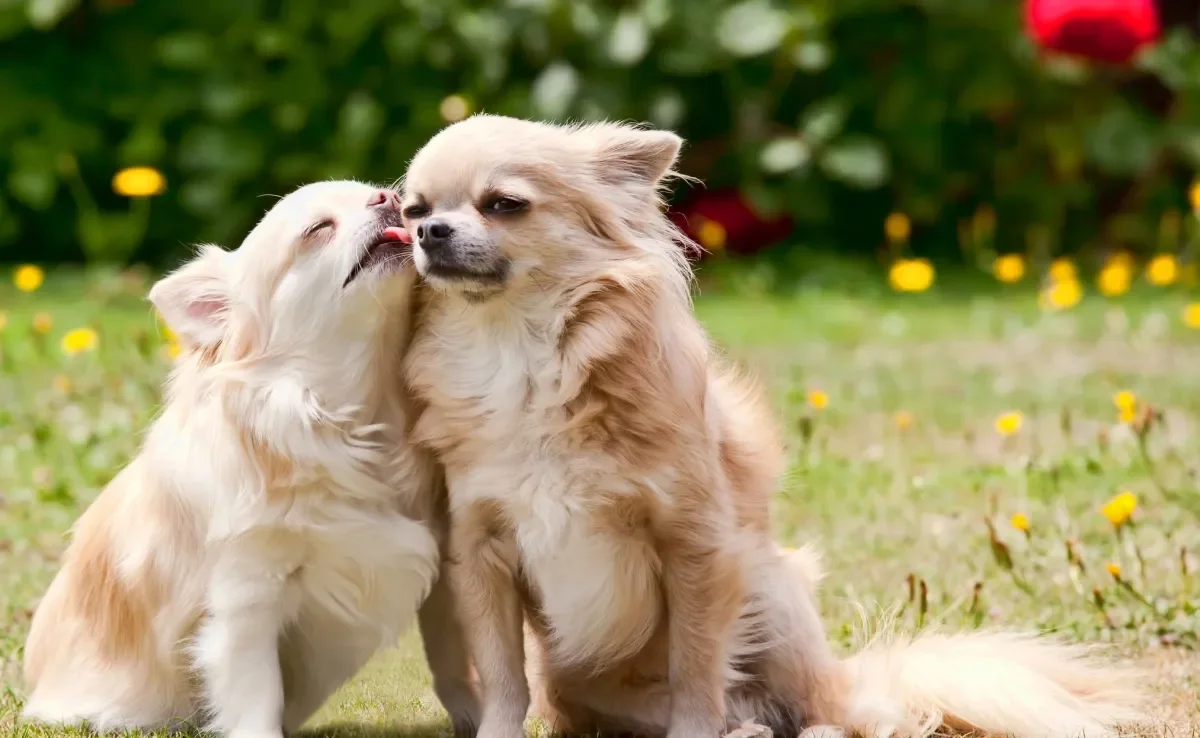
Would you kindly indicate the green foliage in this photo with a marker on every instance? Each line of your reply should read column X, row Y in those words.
column 835, row 110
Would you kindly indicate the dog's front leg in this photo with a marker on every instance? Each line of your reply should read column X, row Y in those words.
column 446, row 652
column 237, row 648
column 483, row 578
column 703, row 582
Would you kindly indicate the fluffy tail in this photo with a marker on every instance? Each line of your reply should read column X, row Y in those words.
column 983, row 683
column 989, row 683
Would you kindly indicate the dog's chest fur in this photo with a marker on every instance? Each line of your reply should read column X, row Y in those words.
column 579, row 519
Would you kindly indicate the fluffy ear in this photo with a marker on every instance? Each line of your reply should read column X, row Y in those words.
column 631, row 156
column 194, row 299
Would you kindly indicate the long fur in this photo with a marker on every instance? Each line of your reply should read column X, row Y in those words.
column 274, row 530
column 609, row 479
column 982, row 683
column 991, row 683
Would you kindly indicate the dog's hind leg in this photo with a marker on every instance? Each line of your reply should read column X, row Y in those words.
column 805, row 681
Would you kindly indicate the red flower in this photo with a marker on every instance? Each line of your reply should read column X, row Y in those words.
column 725, row 221
column 1104, row 30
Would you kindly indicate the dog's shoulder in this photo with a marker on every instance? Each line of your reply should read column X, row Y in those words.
column 633, row 371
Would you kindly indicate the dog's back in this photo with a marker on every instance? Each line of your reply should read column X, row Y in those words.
column 95, row 651
column 748, row 438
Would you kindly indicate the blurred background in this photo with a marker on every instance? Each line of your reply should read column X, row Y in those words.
column 130, row 129
column 957, row 239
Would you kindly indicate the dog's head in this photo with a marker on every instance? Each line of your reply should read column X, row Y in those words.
column 497, row 203
column 315, row 266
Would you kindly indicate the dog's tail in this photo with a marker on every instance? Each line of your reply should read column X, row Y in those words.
column 989, row 684
column 982, row 683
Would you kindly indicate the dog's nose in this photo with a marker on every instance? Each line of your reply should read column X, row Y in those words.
column 434, row 234
column 384, row 197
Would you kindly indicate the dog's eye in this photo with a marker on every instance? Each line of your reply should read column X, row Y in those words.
column 418, row 210
column 505, row 205
column 317, row 227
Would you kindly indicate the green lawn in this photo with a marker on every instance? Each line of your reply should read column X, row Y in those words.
column 889, row 504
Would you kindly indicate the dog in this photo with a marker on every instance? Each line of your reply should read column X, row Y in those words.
column 275, row 529
column 609, row 476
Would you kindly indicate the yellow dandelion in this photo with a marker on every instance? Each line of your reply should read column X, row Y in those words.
column 1008, row 423
column 1009, row 268
column 1020, row 521
column 79, row 341
column 1124, row 399
column 1126, row 403
column 710, row 234
column 1062, row 269
column 1062, row 294
column 1191, row 315
column 1114, row 280
column 903, row 419
column 911, row 275
column 62, row 384
column 1114, row 569
column 1120, row 509
column 897, row 227
column 1194, row 195
column 28, row 277
column 139, row 182
column 43, row 323
column 1162, row 270
column 818, row 399
column 454, row 108
column 173, row 350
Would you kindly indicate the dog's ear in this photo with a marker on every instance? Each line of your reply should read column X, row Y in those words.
column 194, row 299
column 628, row 156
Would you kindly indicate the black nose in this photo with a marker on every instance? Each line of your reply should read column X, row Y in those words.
column 434, row 234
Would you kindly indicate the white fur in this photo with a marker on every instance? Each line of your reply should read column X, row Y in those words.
column 991, row 683
column 272, row 525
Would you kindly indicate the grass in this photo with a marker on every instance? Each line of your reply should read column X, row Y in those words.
column 895, row 476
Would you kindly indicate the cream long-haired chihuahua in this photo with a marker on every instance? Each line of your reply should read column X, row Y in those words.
column 609, row 480
column 275, row 529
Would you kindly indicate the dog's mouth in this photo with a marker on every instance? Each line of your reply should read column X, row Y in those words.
column 475, row 284
column 455, row 273
column 390, row 247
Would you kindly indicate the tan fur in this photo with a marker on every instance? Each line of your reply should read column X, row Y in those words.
column 95, row 607
column 668, row 482
column 607, row 475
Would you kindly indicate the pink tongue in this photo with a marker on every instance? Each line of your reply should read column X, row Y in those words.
column 396, row 234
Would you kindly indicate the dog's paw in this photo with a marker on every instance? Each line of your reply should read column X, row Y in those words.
column 823, row 731
column 750, row 729
column 463, row 707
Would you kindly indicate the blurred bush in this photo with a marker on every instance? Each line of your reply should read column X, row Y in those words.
column 835, row 111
